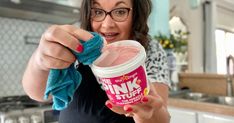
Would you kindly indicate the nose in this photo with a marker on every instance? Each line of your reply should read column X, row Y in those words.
column 108, row 22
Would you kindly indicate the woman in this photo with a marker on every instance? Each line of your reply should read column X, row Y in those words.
column 115, row 20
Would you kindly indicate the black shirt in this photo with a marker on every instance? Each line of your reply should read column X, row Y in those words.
column 88, row 105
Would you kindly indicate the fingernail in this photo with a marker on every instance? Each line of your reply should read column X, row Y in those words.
column 79, row 48
column 109, row 105
column 145, row 99
column 129, row 109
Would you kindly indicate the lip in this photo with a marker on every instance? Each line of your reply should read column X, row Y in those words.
column 109, row 39
column 110, row 36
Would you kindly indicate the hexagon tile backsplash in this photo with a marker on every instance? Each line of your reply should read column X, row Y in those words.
column 15, row 51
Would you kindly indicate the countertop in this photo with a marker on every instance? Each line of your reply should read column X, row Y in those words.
column 201, row 106
column 212, row 84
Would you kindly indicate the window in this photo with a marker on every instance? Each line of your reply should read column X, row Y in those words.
column 225, row 47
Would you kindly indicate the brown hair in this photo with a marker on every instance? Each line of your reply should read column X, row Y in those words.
column 141, row 12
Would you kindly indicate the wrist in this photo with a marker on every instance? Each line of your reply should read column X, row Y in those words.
column 160, row 116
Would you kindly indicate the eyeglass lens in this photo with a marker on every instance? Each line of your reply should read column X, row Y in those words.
column 119, row 14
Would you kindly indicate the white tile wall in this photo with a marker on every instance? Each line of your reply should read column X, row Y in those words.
column 14, row 53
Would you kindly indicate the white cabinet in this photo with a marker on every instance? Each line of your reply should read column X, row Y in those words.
column 179, row 115
column 214, row 118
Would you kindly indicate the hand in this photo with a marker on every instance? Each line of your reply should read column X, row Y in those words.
column 142, row 111
column 53, row 50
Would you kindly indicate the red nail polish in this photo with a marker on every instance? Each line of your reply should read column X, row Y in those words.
column 145, row 99
column 129, row 109
column 79, row 48
column 109, row 105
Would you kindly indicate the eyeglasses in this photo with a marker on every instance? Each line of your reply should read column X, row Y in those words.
column 118, row 14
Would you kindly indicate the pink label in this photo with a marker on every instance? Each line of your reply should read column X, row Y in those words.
column 126, row 89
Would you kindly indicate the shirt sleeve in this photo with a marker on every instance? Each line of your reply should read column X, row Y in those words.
column 156, row 64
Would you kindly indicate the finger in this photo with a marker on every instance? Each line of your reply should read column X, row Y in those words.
column 53, row 63
column 129, row 115
column 77, row 32
column 152, row 90
column 152, row 101
column 57, row 51
column 146, row 108
column 140, row 111
column 58, row 35
column 114, row 108
column 129, row 108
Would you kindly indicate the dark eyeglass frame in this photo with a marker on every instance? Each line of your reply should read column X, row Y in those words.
column 110, row 13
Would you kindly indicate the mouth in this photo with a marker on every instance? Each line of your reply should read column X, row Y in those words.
column 110, row 37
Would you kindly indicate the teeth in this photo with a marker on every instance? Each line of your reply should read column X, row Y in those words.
column 108, row 34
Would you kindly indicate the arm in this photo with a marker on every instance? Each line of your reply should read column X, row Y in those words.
column 34, row 79
column 158, row 101
column 162, row 90
column 52, row 52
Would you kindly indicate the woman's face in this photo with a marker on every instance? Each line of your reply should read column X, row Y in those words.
column 117, row 27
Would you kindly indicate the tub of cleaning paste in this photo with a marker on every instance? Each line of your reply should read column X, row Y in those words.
column 122, row 73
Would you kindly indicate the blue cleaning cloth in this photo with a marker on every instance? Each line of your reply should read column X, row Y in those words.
column 62, row 83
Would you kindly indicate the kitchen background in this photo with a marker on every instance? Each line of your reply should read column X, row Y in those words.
column 202, row 67
column 15, row 51
column 18, row 39
column 22, row 23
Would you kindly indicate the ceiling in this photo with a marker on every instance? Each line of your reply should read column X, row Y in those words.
column 73, row 3
column 228, row 4
column 41, row 10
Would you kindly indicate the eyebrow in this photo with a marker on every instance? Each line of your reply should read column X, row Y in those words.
column 119, row 2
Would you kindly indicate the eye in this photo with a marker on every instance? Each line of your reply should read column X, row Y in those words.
column 120, row 12
column 97, row 12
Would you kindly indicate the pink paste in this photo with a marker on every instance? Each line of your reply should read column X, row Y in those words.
column 116, row 55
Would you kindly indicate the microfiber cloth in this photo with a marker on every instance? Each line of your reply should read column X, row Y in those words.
column 62, row 83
